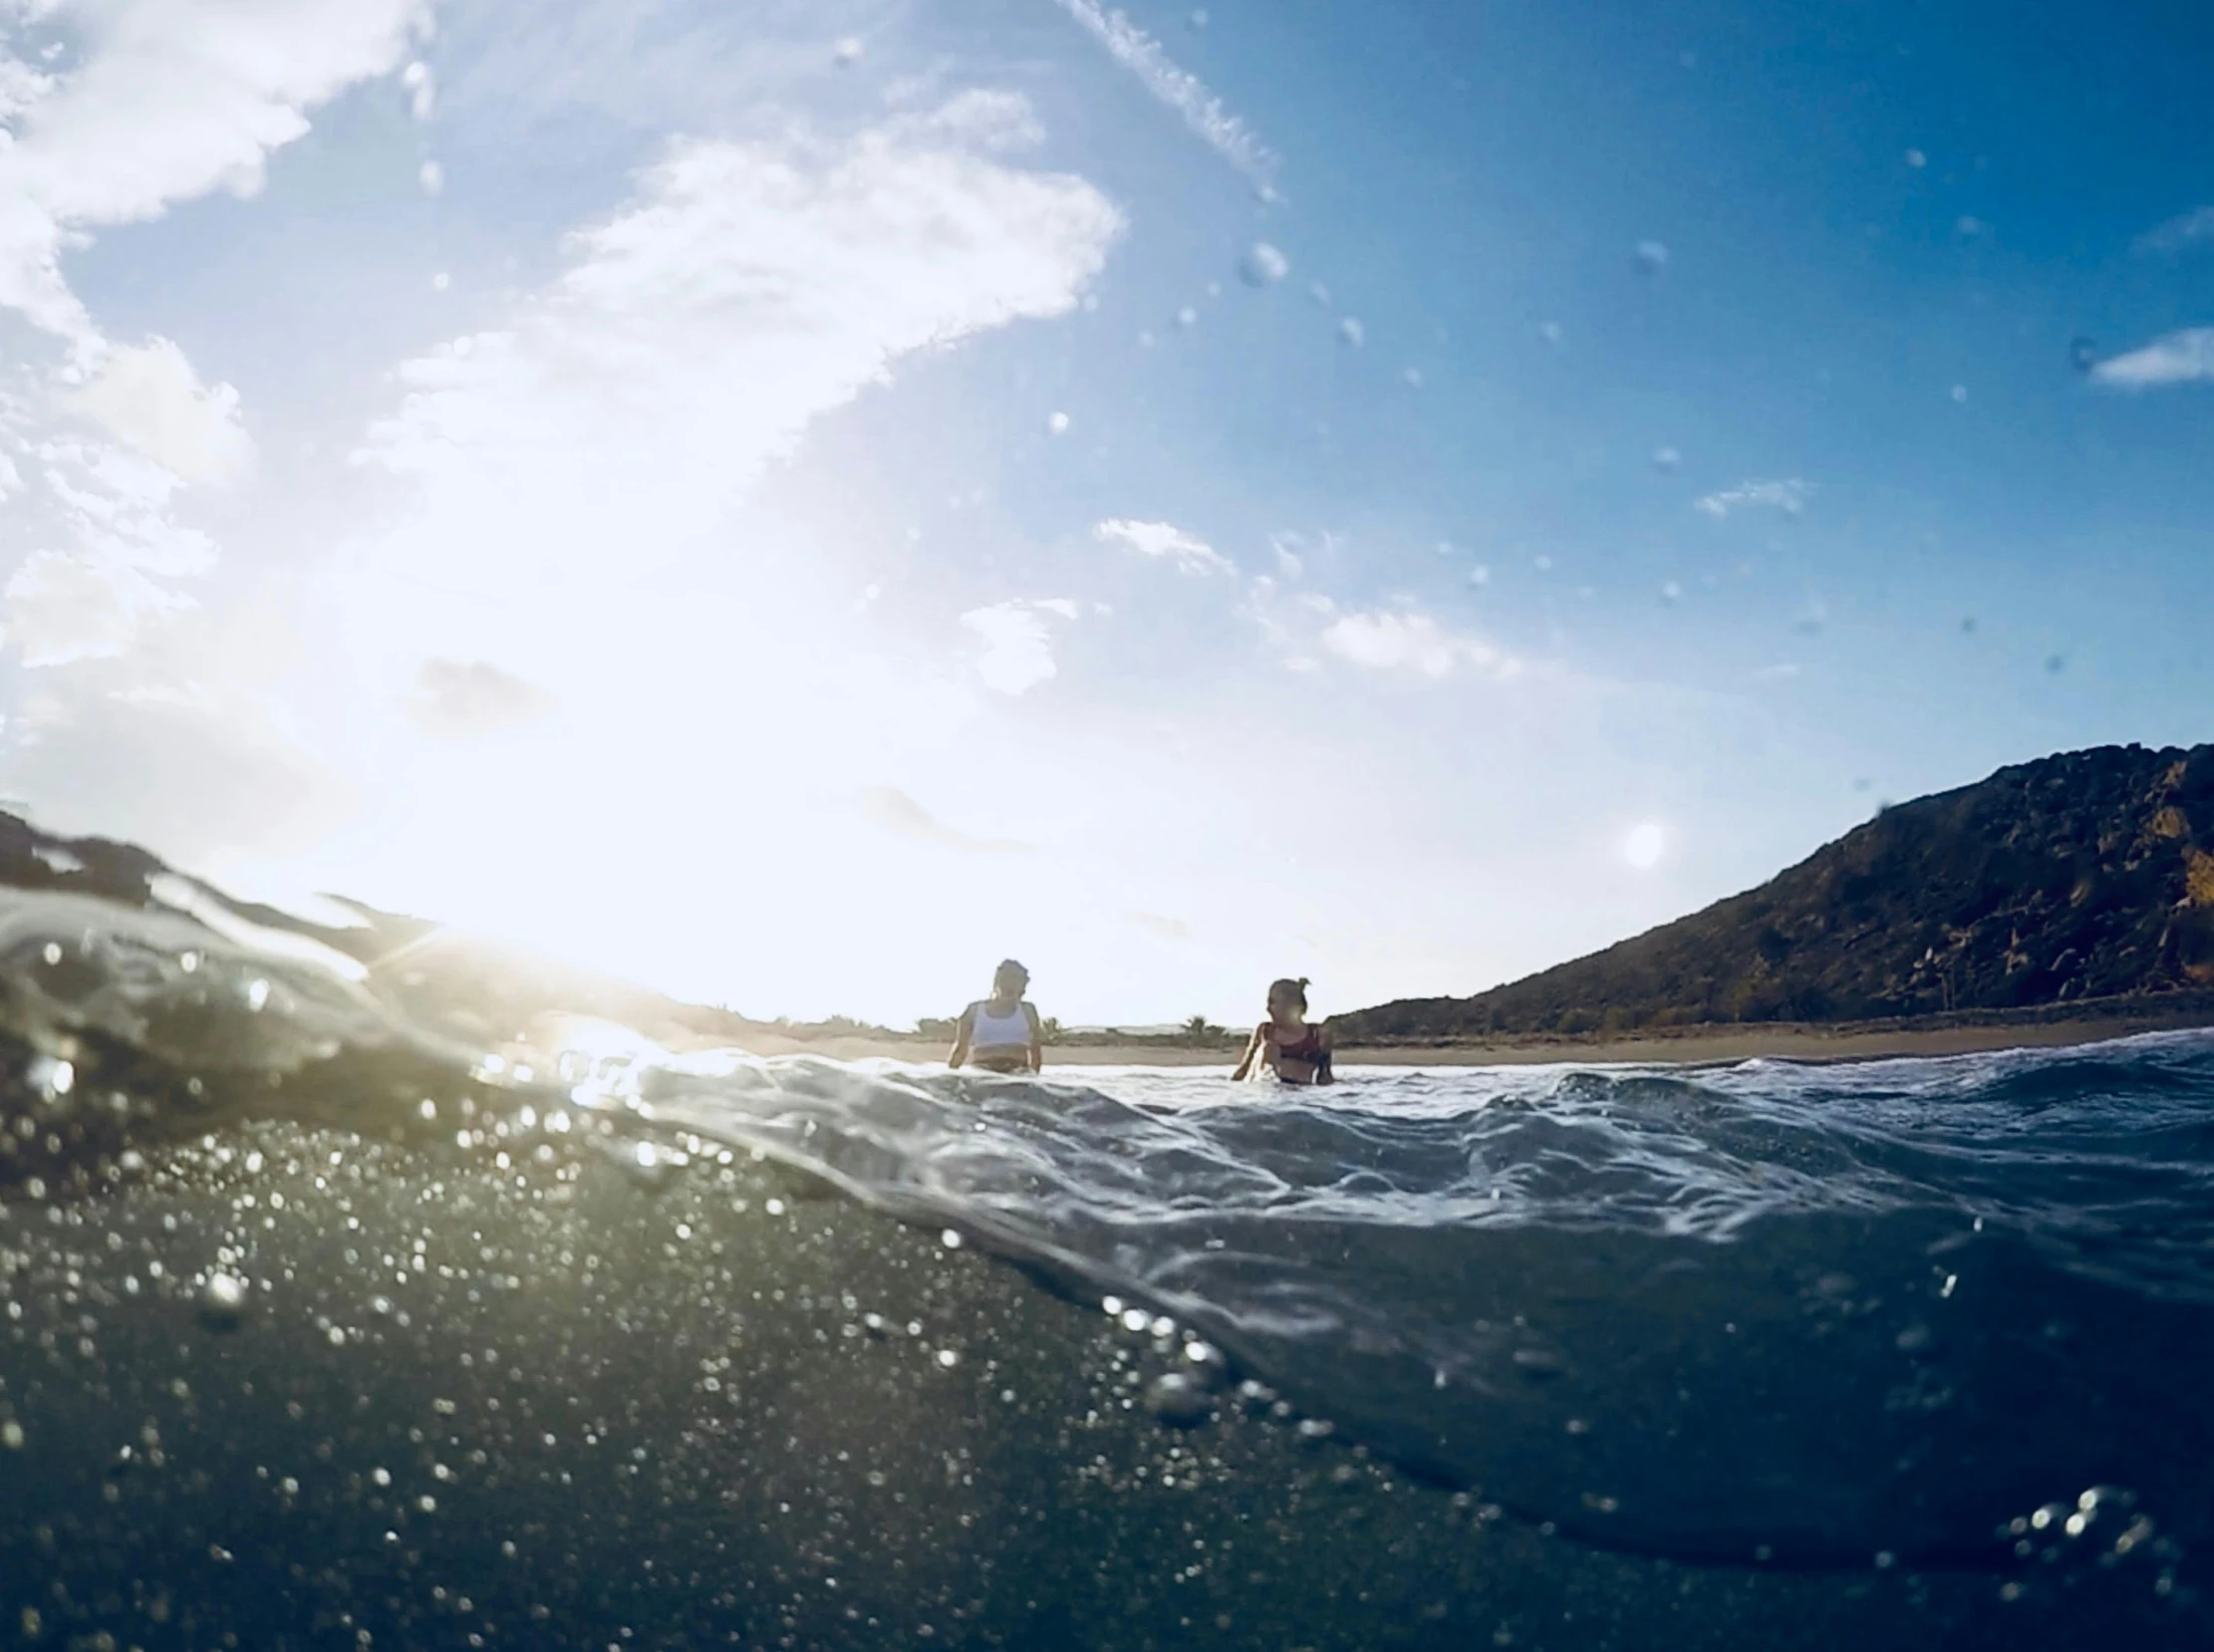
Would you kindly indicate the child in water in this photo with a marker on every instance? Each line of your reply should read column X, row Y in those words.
column 1288, row 1044
column 1002, row 1033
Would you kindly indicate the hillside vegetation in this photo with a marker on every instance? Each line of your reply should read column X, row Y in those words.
column 2088, row 875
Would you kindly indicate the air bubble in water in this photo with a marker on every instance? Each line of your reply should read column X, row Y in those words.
column 1179, row 1400
column 222, row 1303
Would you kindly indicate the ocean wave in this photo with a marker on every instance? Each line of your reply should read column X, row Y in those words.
column 1771, row 1313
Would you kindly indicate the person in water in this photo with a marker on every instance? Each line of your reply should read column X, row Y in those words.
column 1288, row 1044
column 1002, row 1033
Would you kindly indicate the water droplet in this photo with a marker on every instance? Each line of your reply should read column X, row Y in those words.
column 257, row 995
column 1187, row 317
column 1057, row 423
column 1917, row 159
column 1960, row 392
column 1652, row 257
column 432, row 177
column 1352, row 332
column 1135, row 1319
column 847, row 52
column 10, row 1434
column 1263, row 266
column 947, row 1358
column 949, row 1239
column 1666, row 460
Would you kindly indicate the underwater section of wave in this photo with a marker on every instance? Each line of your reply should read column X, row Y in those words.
column 323, row 1329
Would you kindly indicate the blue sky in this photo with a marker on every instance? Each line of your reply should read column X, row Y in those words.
column 792, row 503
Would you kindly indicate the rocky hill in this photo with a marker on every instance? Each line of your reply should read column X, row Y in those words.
column 2088, row 875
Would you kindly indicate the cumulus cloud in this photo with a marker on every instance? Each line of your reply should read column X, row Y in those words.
column 464, row 698
column 753, row 287
column 98, row 551
column 895, row 811
column 170, row 100
column 1138, row 51
column 57, row 609
column 149, row 396
column 565, row 521
column 1018, row 644
column 2182, row 357
column 2191, row 228
column 1168, row 928
column 1787, row 496
column 1411, row 644
column 1190, row 554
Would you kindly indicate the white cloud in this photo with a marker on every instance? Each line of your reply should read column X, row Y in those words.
column 1412, row 645
column 458, row 698
column 569, row 543
column 2182, row 357
column 1182, row 91
column 897, row 812
column 751, row 288
column 2186, row 229
column 1787, row 496
column 1190, row 555
column 57, row 609
column 149, row 396
column 97, row 545
column 173, row 99
column 1019, row 644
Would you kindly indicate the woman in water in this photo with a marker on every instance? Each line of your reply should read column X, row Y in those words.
column 1002, row 1033
column 1288, row 1044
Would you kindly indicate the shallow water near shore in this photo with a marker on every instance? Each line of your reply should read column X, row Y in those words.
column 322, row 1329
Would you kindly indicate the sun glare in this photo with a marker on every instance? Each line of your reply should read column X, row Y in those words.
column 1644, row 844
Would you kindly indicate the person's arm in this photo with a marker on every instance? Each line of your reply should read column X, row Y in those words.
column 1322, row 1073
column 1245, row 1061
column 961, row 1030
column 1038, row 1037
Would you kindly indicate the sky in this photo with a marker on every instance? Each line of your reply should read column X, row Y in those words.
column 792, row 503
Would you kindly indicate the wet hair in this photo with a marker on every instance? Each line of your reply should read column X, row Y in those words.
column 1009, row 968
column 1290, row 988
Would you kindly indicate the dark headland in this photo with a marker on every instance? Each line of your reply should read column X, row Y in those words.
column 2076, row 891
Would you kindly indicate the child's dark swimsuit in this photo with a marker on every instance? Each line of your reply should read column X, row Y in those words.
column 1308, row 1048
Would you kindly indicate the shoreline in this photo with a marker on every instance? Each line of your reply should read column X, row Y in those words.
column 1692, row 1046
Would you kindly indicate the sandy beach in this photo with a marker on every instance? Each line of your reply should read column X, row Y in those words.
column 1691, row 1047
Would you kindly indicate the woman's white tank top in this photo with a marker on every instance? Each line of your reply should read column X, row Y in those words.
column 989, row 1031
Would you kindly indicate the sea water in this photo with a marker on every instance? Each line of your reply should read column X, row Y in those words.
column 319, row 1327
